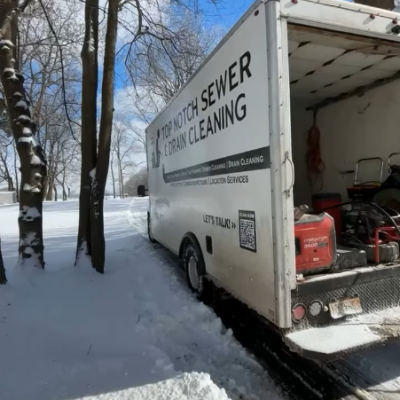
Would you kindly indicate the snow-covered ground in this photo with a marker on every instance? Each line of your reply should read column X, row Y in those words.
column 376, row 371
column 135, row 332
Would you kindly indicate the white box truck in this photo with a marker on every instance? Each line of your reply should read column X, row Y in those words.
column 224, row 154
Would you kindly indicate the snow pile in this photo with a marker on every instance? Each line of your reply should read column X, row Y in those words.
column 194, row 386
column 332, row 339
column 133, row 333
column 137, row 214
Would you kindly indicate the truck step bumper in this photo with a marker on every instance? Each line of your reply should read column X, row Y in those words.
column 327, row 343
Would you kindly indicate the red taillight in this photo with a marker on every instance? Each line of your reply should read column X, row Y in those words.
column 298, row 312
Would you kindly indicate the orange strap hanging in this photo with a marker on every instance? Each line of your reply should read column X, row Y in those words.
column 315, row 165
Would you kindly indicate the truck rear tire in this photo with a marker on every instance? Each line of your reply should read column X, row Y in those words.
column 195, row 269
column 149, row 234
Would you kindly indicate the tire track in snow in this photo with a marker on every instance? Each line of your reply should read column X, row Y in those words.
column 188, row 332
column 299, row 378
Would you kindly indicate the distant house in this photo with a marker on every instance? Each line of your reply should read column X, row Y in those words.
column 7, row 197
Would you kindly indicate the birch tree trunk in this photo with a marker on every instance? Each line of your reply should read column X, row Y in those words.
column 32, row 160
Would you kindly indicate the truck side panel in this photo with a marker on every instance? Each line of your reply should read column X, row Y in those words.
column 209, row 167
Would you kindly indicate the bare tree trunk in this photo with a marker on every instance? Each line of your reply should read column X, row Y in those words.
column 119, row 179
column 45, row 187
column 119, row 167
column 55, row 192
column 50, row 186
column 3, row 277
column 89, row 122
column 33, row 162
column 121, row 183
column 16, row 173
column 65, row 196
column 112, row 176
column 7, row 175
column 103, row 161
column 10, row 184
column 62, row 184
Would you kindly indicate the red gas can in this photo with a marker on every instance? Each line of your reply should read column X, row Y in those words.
column 321, row 201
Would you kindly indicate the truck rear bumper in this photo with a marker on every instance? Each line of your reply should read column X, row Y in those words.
column 327, row 343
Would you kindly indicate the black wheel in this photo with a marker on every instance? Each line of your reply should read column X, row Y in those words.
column 149, row 234
column 195, row 269
column 141, row 191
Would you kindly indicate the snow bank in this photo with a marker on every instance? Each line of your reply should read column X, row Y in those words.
column 193, row 386
column 137, row 214
column 133, row 333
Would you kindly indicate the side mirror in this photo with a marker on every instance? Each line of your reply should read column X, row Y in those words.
column 141, row 191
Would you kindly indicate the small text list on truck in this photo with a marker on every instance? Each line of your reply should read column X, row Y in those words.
column 272, row 172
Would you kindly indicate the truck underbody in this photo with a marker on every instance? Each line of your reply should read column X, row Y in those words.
column 346, row 89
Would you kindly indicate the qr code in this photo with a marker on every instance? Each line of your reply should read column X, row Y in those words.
column 247, row 234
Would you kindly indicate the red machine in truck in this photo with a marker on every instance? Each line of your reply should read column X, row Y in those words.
column 329, row 239
column 315, row 243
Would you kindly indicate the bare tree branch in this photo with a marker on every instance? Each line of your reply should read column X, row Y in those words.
column 62, row 70
column 24, row 5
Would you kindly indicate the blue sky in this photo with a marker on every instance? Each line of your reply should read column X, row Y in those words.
column 224, row 13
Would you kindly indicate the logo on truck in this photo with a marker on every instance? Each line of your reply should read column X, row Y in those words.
column 214, row 109
column 156, row 154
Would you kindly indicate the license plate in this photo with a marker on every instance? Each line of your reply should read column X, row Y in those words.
column 345, row 306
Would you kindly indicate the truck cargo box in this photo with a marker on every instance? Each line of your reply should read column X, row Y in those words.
column 226, row 163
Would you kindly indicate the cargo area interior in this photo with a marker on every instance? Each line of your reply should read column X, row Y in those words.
column 345, row 107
